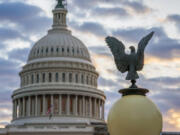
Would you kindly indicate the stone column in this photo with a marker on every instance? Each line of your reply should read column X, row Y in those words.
column 24, row 106
column 52, row 104
column 19, row 104
column 68, row 105
column 80, row 106
column 90, row 107
column 60, row 104
column 76, row 105
column 36, row 105
column 15, row 109
column 29, row 106
column 98, row 107
column 44, row 104
column 95, row 110
column 84, row 106
column 103, row 109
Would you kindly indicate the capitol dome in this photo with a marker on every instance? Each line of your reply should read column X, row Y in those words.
column 59, row 82
column 59, row 43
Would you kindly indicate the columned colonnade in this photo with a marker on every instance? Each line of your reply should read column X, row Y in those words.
column 58, row 105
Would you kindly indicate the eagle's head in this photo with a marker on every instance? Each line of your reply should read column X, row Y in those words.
column 132, row 48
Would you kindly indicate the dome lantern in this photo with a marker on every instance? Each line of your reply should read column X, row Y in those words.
column 59, row 16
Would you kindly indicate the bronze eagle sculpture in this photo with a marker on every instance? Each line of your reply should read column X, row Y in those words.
column 132, row 62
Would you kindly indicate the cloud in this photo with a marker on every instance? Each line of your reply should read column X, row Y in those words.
column 9, row 74
column 121, row 8
column 19, row 54
column 137, row 7
column 5, row 97
column 9, row 34
column 135, row 34
column 17, row 11
column 173, row 119
column 109, row 12
column 166, row 80
column 175, row 19
column 27, row 18
column 90, row 27
column 101, row 50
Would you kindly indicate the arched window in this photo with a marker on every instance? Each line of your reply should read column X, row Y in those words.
column 57, row 50
column 37, row 78
column 82, row 79
column 52, row 50
column 68, row 50
column 43, row 77
column 42, row 50
column 62, row 49
column 32, row 79
column 46, row 50
column 78, row 51
column 38, row 51
column 73, row 50
column 57, row 77
column 70, row 77
column 63, row 77
column 50, row 77
column 76, row 78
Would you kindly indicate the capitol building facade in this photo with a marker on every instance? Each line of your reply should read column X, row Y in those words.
column 58, row 93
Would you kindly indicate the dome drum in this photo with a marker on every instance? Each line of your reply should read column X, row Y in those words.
column 62, row 105
column 51, row 75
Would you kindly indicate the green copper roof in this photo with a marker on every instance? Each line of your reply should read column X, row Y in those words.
column 60, row 4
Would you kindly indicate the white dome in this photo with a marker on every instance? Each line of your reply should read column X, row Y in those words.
column 59, row 43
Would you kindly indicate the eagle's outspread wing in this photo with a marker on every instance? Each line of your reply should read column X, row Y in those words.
column 118, row 50
column 140, row 52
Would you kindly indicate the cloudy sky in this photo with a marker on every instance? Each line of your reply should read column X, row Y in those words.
column 23, row 22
